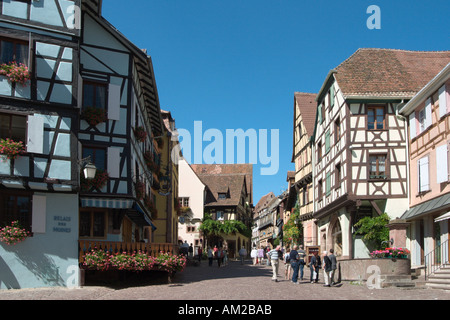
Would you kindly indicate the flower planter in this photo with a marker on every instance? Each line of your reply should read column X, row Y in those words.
column 11, row 149
column 15, row 73
column 100, row 180
column 93, row 116
column 140, row 134
column 13, row 234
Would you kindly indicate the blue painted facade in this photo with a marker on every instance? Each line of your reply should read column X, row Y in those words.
column 40, row 188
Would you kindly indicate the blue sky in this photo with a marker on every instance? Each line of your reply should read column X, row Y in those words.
column 237, row 63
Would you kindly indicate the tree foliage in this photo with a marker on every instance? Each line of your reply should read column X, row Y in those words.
column 374, row 229
column 214, row 227
column 292, row 232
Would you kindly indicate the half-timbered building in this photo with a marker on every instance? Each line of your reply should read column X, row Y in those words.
column 360, row 157
column 38, row 108
column 305, row 109
column 120, row 123
column 429, row 137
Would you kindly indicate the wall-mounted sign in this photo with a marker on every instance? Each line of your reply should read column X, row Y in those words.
column 62, row 224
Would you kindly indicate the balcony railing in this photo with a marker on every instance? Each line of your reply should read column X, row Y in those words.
column 436, row 259
column 152, row 249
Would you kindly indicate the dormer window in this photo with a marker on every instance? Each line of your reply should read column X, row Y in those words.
column 222, row 195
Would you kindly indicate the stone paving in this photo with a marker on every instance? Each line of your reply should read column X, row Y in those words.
column 231, row 282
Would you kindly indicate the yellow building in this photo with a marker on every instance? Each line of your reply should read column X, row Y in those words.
column 165, row 186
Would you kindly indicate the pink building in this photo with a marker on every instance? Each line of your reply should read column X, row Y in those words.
column 428, row 115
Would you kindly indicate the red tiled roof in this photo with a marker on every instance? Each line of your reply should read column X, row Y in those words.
column 308, row 108
column 227, row 169
column 389, row 72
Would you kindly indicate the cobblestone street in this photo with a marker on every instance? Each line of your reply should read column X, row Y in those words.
column 232, row 282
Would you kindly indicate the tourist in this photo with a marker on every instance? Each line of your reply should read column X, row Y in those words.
column 219, row 257
column 274, row 256
column 326, row 269
column 314, row 267
column 287, row 264
column 242, row 254
column 191, row 251
column 260, row 255
column 301, row 263
column 254, row 255
column 210, row 256
column 225, row 256
column 294, row 259
column 199, row 252
column 333, row 266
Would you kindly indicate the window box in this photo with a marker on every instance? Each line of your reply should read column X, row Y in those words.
column 13, row 234
column 140, row 134
column 93, row 115
column 11, row 149
column 16, row 73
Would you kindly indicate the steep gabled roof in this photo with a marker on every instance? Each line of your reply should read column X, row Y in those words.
column 308, row 108
column 228, row 169
column 388, row 73
column 230, row 184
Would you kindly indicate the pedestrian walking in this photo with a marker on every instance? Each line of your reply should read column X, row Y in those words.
column 242, row 254
column 301, row 262
column 191, row 251
column 225, row 256
column 254, row 255
column 219, row 257
column 260, row 255
column 274, row 256
column 210, row 256
column 326, row 269
column 200, row 253
column 268, row 258
column 333, row 266
column 314, row 267
column 287, row 264
column 294, row 259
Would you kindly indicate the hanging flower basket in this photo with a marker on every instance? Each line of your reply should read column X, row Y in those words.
column 11, row 149
column 99, row 181
column 16, row 73
column 140, row 134
column 93, row 115
column 140, row 190
column 13, row 234
column 151, row 206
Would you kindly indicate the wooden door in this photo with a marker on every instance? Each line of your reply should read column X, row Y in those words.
column 126, row 230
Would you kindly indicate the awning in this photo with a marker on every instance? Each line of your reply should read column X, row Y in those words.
column 140, row 217
column 445, row 216
column 428, row 207
column 107, row 203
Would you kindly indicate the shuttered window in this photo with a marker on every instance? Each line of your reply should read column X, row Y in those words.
column 442, row 163
column 443, row 103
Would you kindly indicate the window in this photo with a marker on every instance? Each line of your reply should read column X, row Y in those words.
column 94, row 95
column 320, row 190
column 15, row 207
column 375, row 117
column 13, row 50
column 190, row 229
column 305, row 196
column 422, row 121
column 377, row 166
column 337, row 130
column 222, row 195
column 98, row 156
column 93, row 223
column 220, row 215
column 13, row 127
column 319, row 151
column 337, row 178
column 184, row 202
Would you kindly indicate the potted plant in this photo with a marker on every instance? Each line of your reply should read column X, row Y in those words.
column 13, row 234
column 93, row 115
column 16, row 73
column 140, row 190
column 11, row 149
column 140, row 134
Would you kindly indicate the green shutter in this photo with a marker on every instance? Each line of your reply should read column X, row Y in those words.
column 327, row 142
column 332, row 96
column 328, row 186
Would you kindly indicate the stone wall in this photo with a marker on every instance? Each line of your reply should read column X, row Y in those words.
column 359, row 269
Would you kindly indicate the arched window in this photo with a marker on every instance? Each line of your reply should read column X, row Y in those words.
column 336, row 234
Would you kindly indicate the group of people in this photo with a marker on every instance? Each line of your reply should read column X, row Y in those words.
column 219, row 254
column 295, row 261
column 259, row 256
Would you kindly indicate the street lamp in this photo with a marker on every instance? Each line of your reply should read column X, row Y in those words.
column 88, row 168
